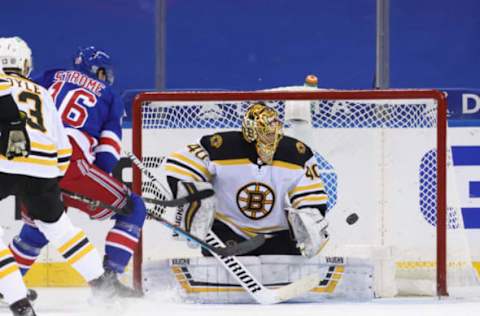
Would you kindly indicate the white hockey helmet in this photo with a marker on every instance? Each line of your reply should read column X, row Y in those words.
column 15, row 56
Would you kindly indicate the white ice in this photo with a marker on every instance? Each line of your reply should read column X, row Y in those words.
column 77, row 301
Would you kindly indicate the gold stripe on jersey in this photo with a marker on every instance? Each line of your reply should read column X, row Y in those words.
column 194, row 165
column 319, row 198
column 4, row 84
column 63, row 158
column 52, row 149
column 40, row 146
column 64, row 166
column 36, row 161
column 306, row 188
column 248, row 231
column 8, row 264
column 45, row 155
column 189, row 166
column 232, row 162
column 65, row 152
column 182, row 172
column 306, row 194
column 287, row 165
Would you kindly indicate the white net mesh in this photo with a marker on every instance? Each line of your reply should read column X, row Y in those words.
column 325, row 113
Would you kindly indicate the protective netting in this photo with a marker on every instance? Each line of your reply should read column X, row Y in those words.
column 325, row 114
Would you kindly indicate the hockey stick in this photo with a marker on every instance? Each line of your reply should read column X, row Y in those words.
column 199, row 195
column 230, row 250
column 255, row 289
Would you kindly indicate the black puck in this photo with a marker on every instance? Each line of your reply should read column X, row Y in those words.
column 352, row 218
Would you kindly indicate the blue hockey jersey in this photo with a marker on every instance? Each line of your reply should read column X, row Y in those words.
column 91, row 112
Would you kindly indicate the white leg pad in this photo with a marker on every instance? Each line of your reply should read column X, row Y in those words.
column 205, row 280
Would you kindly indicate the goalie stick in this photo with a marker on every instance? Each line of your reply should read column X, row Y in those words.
column 257, row 290
column 254, row 288
column 230, row 250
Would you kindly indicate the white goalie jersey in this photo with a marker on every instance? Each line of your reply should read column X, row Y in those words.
column 50, row 148
column 251, row 196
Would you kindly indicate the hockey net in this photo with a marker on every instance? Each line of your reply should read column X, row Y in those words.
column 381, row 155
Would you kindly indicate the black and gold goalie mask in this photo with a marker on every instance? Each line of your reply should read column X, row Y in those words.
column 262, row 125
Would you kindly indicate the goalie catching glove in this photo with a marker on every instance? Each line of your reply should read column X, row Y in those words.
column 196, row 217
column 309, row 228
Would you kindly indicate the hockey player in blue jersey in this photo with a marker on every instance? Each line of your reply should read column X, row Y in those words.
column 92, row 114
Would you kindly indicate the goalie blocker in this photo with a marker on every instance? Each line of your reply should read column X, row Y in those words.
column 205, row 280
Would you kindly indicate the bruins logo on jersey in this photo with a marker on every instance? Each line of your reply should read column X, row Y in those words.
column 216, row 141
column 300, row 148
column 255, row 200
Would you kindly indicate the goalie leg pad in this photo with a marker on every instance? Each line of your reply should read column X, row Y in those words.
column 205, row 280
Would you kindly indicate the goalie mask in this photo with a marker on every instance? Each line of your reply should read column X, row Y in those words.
column 262, row 125
column 15, row 56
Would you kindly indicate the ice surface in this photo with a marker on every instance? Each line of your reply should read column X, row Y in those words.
column 77, row 301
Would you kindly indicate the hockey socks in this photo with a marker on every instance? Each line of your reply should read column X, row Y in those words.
column 11, row 283
column 122, row 239
column 121, row 242
column 74, row 246
column 26, row 247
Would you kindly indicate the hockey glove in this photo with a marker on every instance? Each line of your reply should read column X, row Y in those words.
column 309, row 229
column 14, row 140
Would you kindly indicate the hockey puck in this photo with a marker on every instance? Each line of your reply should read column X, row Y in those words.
column 352, row 218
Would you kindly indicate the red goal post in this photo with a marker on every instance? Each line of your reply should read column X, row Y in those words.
column 142, row 114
